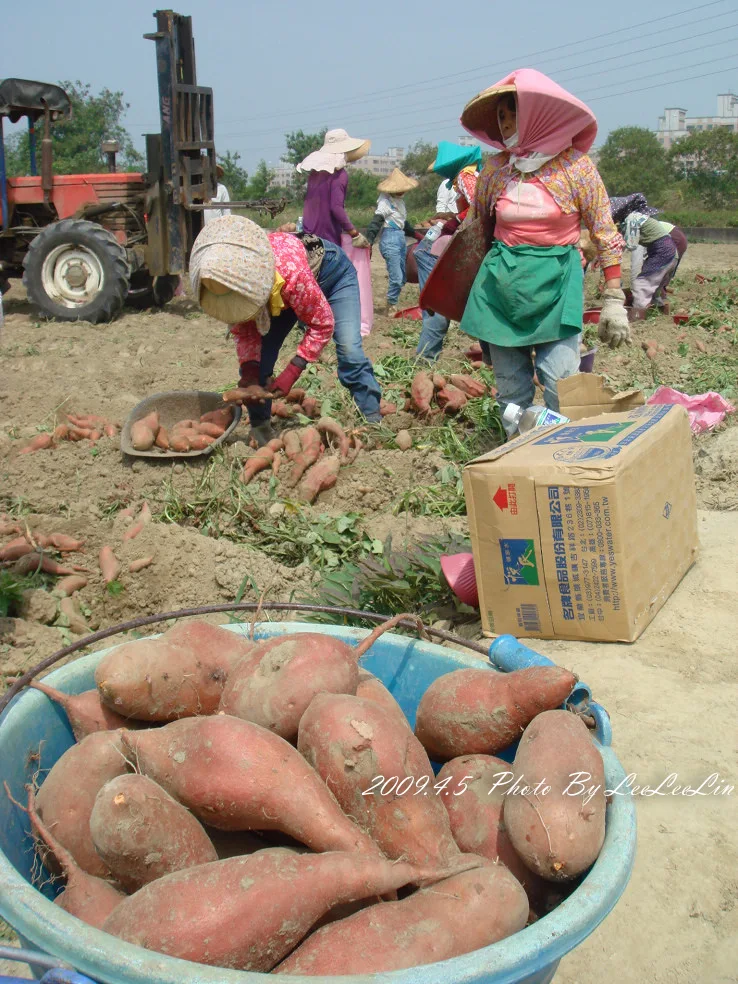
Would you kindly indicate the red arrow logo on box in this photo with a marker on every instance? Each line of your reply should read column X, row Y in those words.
column 500, row 498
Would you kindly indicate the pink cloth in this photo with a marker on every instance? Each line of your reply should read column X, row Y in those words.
column 705, row 411
column 362, row 262
column 550, row 119
column 527, row 215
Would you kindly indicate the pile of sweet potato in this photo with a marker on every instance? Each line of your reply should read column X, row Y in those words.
column 266, row 805
column 185, row 435
column 451, row 394
column 74, row 427
column 302, row 451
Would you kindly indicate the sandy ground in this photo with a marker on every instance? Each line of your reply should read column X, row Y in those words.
column 678, row 920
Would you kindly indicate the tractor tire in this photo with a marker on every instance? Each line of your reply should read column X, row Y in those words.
column 76, row 271
column 147, row 292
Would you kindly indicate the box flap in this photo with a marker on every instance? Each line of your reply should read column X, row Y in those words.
column 588, row 395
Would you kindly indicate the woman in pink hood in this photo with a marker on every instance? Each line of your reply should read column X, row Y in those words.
column 525, row 305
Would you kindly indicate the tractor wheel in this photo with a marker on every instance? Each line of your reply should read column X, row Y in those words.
column 76, row 271
column 147, row 292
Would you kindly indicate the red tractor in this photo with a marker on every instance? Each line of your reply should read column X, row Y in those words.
column 86, row 244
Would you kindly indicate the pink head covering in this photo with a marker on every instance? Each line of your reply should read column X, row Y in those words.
column 550, row 119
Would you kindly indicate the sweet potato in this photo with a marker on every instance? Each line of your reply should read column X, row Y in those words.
column 292, row 446
column 559, row 829
column 162, row 439
column 351, row 743
column 222, row 418
column 132, row 532
column 457, row 915
column 141, row 833
column 371, row 688
column 439, row 381
column 311, row 407
column 138, row 565
column 152, row 421
column 321, row 477
column 296, row 395
column 211, row 430
column 275, row 683
column 421, row 392
column 7, row 528
column 198, row 442
column 110, row 430
column 327, row 426
column 469, row 712
column 282, row 410
column 249, row 912
column 35, row 561
column 473, row 388
column 474, row 794
column 179, row 674
column 387, row 409
column 68, row 585
column 66, row 798
column 311, row 448
column 224, row 770
column 86, row 712
column 61, row 432
column 64, row 543
column 38, row 443
column 403, row 440
column 451, row 399
column 109, row 565
column 142, row 436
column 145, row 514
column 88, row 897
column 75, row 621
column 15, row 549
column 178, row 442
column 258, row 462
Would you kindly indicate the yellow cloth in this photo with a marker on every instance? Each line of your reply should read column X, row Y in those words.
column 471, row 169
column 276, row 304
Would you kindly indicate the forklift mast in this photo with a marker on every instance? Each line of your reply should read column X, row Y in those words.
column 181, row 158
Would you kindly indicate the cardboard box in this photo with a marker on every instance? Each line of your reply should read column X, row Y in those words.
column 587, row 395
column 582, row 531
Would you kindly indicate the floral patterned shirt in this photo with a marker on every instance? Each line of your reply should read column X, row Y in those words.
column 301, row 293
column 574, row 184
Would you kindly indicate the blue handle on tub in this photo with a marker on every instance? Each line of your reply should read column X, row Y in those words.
column 509, row 654
column 59, row 976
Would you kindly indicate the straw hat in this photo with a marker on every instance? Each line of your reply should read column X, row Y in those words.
column 397, row 183
column 219, row 170
column 480, row 113
column 338, row 148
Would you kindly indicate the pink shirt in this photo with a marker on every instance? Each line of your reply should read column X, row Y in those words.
column 527, row 215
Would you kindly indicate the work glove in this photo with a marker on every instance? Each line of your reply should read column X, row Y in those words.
column 288, row 377
column 360, row 241
column 614, row 328
column 249, row 375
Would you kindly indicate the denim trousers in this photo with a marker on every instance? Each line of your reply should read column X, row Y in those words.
column 435, row 326
column 393, row 249
column 338, row 281
column 515, row 367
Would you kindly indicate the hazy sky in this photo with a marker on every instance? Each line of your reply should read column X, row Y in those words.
column 393, row 71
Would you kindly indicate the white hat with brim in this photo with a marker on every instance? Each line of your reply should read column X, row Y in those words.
column 397, row 183
column 338, row 148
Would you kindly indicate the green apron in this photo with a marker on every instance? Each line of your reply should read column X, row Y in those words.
column 526, row 295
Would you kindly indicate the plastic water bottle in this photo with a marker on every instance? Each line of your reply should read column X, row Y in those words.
column 299, row 225
column 517, row 419
column 433, row 233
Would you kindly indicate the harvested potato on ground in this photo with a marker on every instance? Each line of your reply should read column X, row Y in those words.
column 321, row 477
column 421, row 392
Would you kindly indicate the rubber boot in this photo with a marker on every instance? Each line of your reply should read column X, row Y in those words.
column 262, row 433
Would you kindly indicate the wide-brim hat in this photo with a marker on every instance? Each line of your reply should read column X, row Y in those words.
column 219, row 171
column 397, row 183
column 338, row 149
column 480, row 113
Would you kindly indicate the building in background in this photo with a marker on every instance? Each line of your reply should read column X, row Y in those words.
column 284, row 175
column 467, row 140
column 675, row 123
column 381, row 164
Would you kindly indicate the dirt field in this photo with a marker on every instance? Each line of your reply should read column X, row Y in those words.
column 678, row 921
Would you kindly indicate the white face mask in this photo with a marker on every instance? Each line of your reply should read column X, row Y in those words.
column 511, row 141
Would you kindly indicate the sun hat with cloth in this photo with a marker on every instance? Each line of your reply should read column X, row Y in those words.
column 452, row 158
column 397, row 183
column 338, row 149
column 232, row 271
column 621, row 207
column 549, row 119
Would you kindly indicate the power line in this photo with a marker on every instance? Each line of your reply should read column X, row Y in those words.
column 564, row 77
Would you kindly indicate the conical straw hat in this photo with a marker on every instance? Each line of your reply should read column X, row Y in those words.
column 397, row 183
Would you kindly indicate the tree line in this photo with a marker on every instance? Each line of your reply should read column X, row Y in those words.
column 699, row 174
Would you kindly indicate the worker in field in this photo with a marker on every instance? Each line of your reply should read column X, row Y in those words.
column 221, row 195
column 526, row 303
column 459, row 167
column 260, row 284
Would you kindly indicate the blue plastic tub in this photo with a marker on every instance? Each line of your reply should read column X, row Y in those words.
column 407, row 667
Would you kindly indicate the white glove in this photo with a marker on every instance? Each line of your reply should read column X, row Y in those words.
column 360, row 241
column 614, row 328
